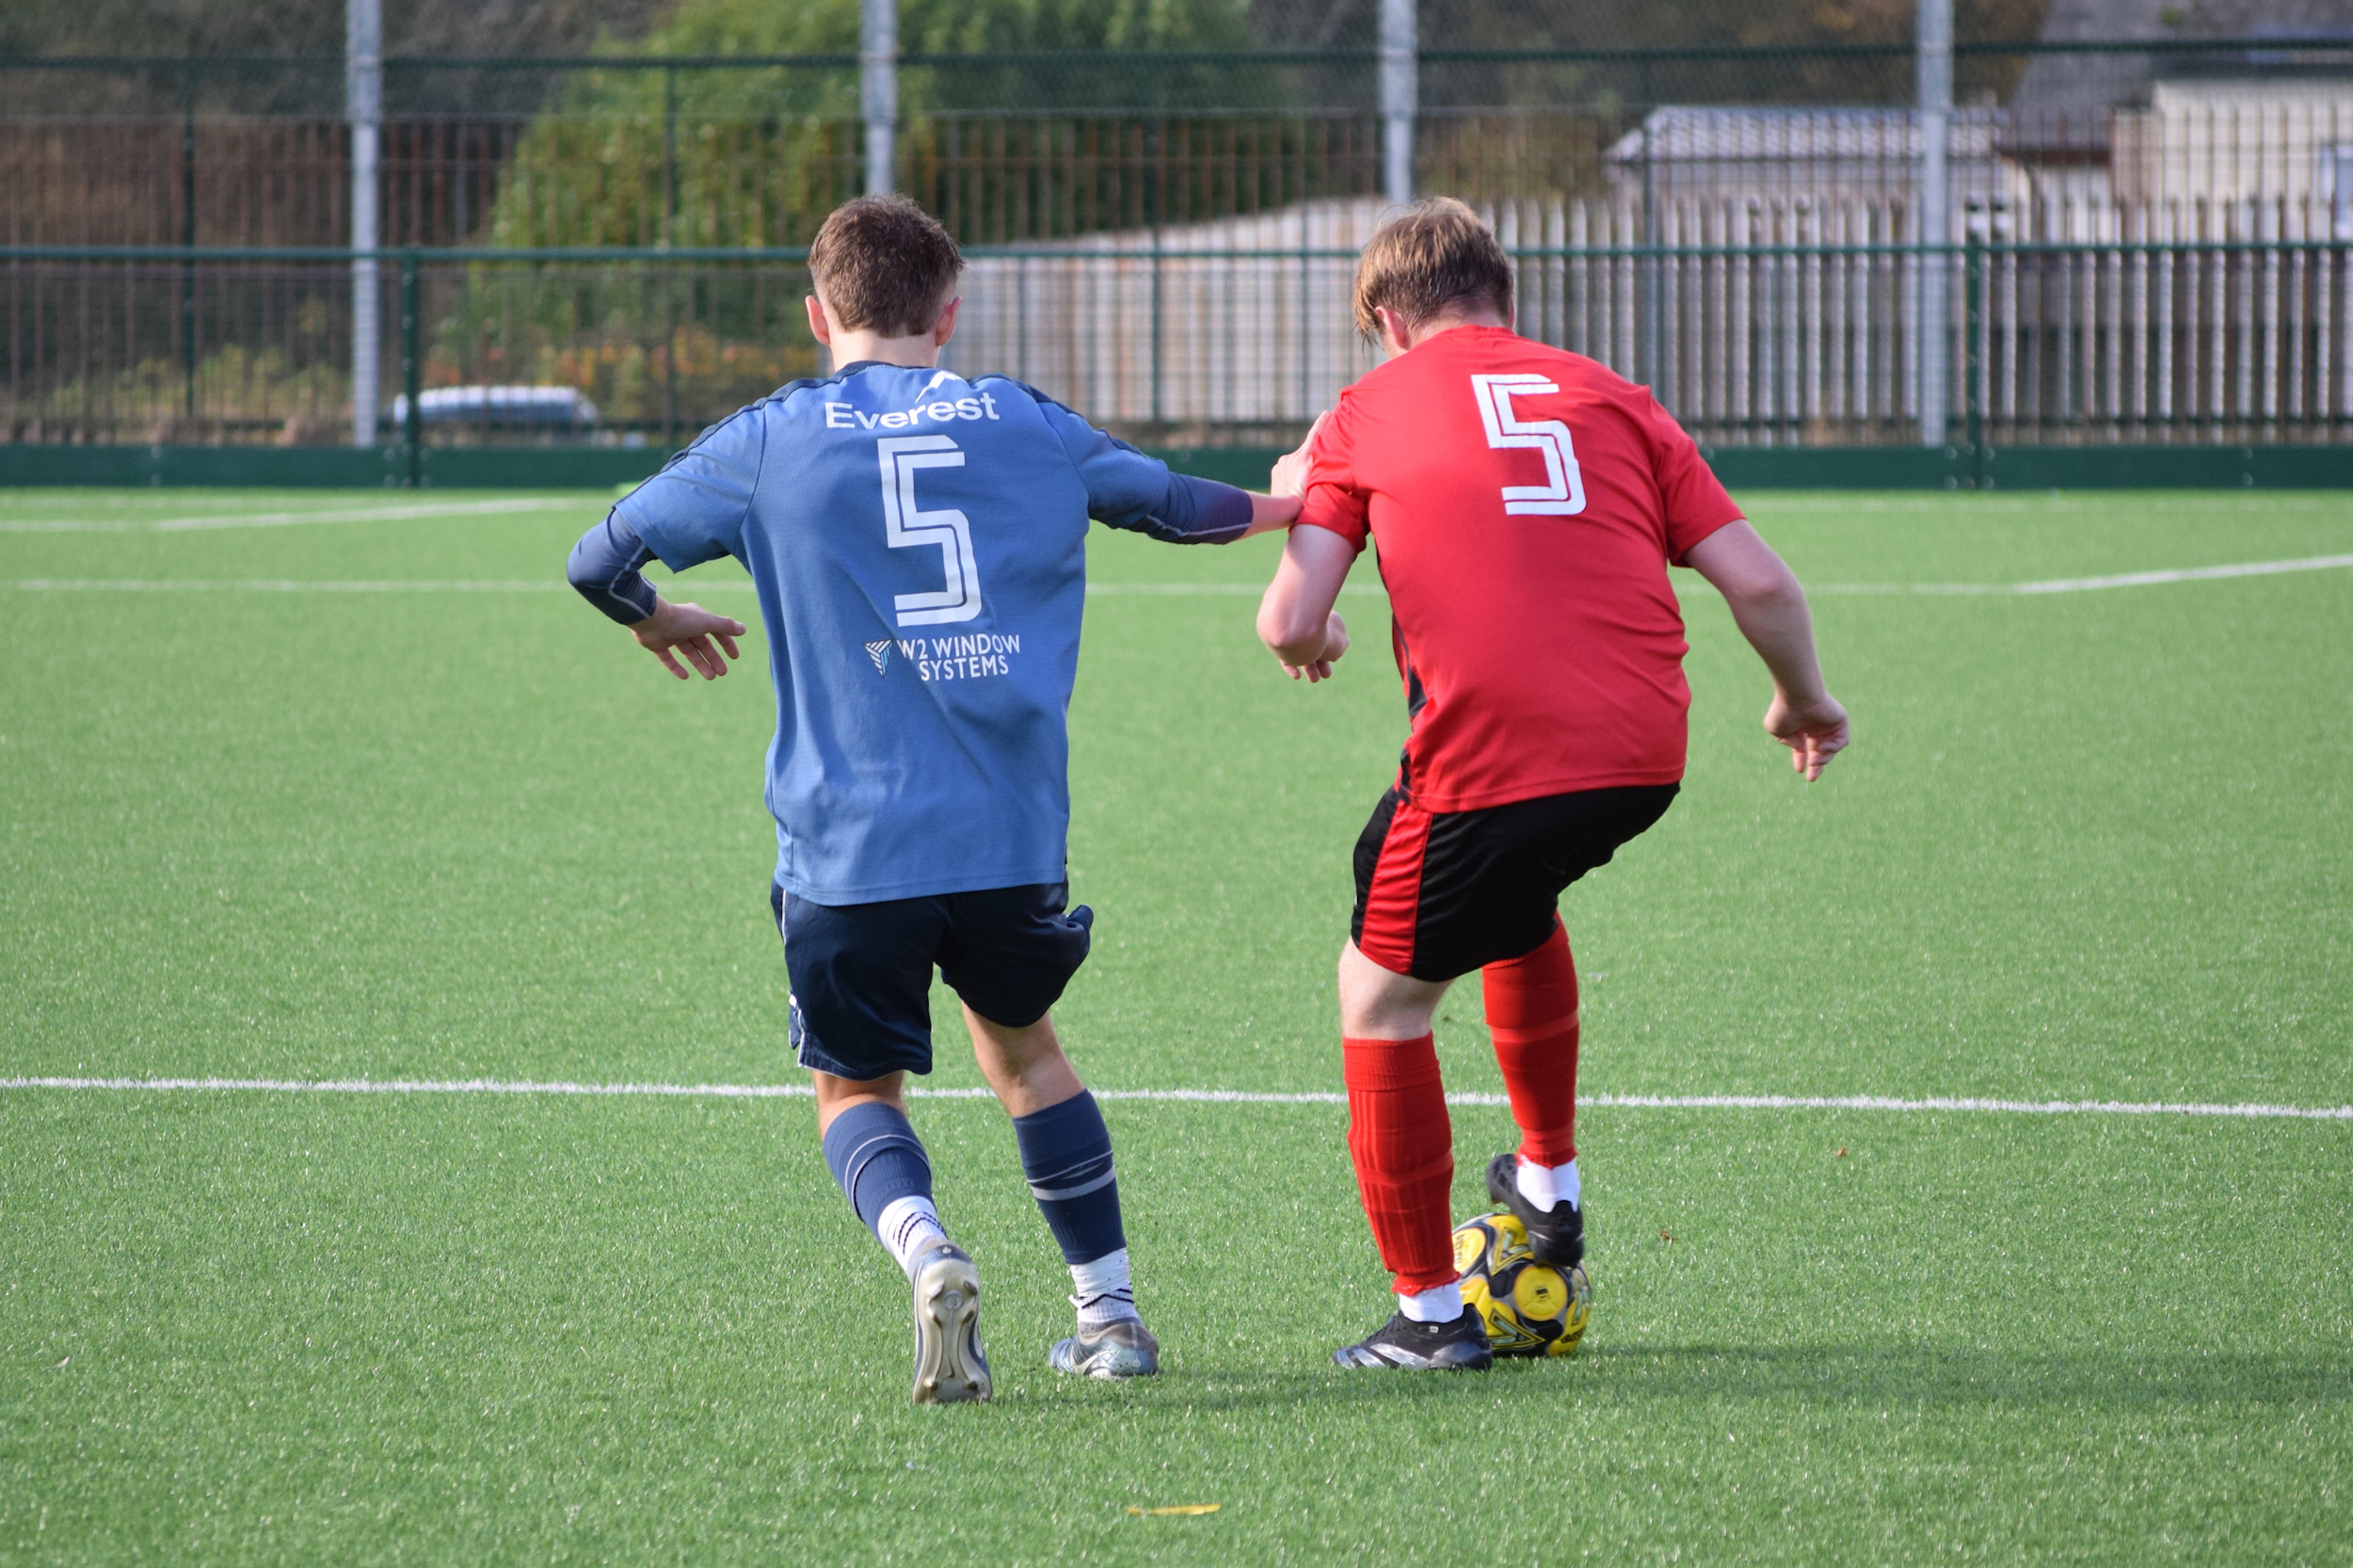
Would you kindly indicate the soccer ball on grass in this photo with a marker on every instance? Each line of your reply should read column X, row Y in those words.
column 1530, row 1308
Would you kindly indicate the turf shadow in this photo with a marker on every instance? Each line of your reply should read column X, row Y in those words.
column 1867, row 1375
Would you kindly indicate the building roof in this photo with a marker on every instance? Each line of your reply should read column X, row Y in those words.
column 2065, row 99
column 1691, row 135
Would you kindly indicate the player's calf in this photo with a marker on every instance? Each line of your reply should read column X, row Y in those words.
column 1066, row 1157
column 1401, row 1143
column 1532, row 1017
column 886, row 1174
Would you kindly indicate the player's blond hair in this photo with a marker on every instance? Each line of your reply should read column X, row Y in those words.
column 884, row 265
column 1433, row 255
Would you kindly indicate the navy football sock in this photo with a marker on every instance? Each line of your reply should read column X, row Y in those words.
column 1067, row 1155
column 879, row 1161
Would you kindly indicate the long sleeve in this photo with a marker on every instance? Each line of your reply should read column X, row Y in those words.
column 607, row 567
column 1128, row 489
column 1196, row 511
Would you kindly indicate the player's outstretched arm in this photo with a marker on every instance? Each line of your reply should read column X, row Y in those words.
column 1296, row 621
column 1269, row 512
column 1769, row 605
column 607, row 567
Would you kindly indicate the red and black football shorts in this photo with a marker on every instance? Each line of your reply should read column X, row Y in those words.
column 1438, row 896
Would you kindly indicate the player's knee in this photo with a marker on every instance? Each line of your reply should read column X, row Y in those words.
column 835, row 1095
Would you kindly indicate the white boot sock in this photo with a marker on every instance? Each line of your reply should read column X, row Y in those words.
column 1546, row 1185
column 909, row 1226
column 1102, row 1291
column 1440, row 1304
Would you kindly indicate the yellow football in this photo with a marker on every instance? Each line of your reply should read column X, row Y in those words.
column 1530, row 1308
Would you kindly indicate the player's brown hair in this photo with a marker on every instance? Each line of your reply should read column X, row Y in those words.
column 1434, row 254
column 884, row 265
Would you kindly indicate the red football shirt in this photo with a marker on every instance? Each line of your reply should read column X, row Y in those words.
column 1527, row 503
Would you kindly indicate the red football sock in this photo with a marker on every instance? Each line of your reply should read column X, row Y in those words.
column 1531, row 1012
column 1404, row 1147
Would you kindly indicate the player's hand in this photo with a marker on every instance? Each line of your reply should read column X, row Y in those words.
column 690, row 630
column 1815, row 731
column 1335, row 644
column 1290, row 469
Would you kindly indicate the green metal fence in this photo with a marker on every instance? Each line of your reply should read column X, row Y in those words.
column 1775, row 342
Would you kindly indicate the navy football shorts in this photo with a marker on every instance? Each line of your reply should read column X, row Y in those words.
column 861, row 973
column 1439, row 895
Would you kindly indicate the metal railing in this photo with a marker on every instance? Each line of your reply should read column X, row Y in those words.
column 1799, row 337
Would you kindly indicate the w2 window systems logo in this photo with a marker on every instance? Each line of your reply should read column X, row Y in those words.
column 1563, row 493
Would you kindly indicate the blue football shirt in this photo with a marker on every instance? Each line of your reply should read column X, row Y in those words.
column 918, row 541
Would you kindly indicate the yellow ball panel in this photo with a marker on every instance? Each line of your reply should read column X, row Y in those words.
column 1580, row 1312
column 1470, row 1245
column 1540, row 1293
column 1510, row 1243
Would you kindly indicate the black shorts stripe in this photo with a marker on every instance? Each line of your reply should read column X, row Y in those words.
column 1489, row 880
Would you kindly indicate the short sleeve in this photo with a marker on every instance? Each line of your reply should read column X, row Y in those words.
column 1334, row 502
column 1122, row 483
column 1695, row 499
column 693, row 511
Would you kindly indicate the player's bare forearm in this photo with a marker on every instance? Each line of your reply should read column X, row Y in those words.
column 1769, row 605
column 1780, row 626
column 1296, row 621
column 690, row 630
column 1310, row 658
column 1269, row 512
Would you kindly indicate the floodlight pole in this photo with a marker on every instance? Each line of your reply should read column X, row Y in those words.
column 878, row 90
column 1399, row 96
column 363, row 101
column 1933, row 225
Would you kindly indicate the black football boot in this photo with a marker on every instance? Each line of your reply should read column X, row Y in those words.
column 1555, row 1234
column 1404, row 1344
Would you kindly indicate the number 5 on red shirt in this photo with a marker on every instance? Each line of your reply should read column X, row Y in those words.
column 1562, row 494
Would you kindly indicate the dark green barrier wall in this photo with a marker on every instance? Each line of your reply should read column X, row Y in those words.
column 1875, row 468
column 1913, row 468
column 263, row 467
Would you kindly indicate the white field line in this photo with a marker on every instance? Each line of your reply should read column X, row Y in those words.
column 2090, row 584
column 1204, row 1096
column 1250, row 591
column 276, row 520
column 286, row 585
column 722, row 584
column 2195, row 574
column 389, row 585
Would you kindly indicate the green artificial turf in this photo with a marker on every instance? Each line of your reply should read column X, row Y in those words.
column 2088, row 846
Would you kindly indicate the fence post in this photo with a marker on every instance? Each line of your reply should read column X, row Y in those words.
column 669, row 155
column 1153, row 173
column 1972, row 360
column 363, row 109
column 669, row 280
column 411, row 374
column 878, row 90
column 1400, row 90
column 187, row 241
column 1934, row 226
column 1653, row 330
